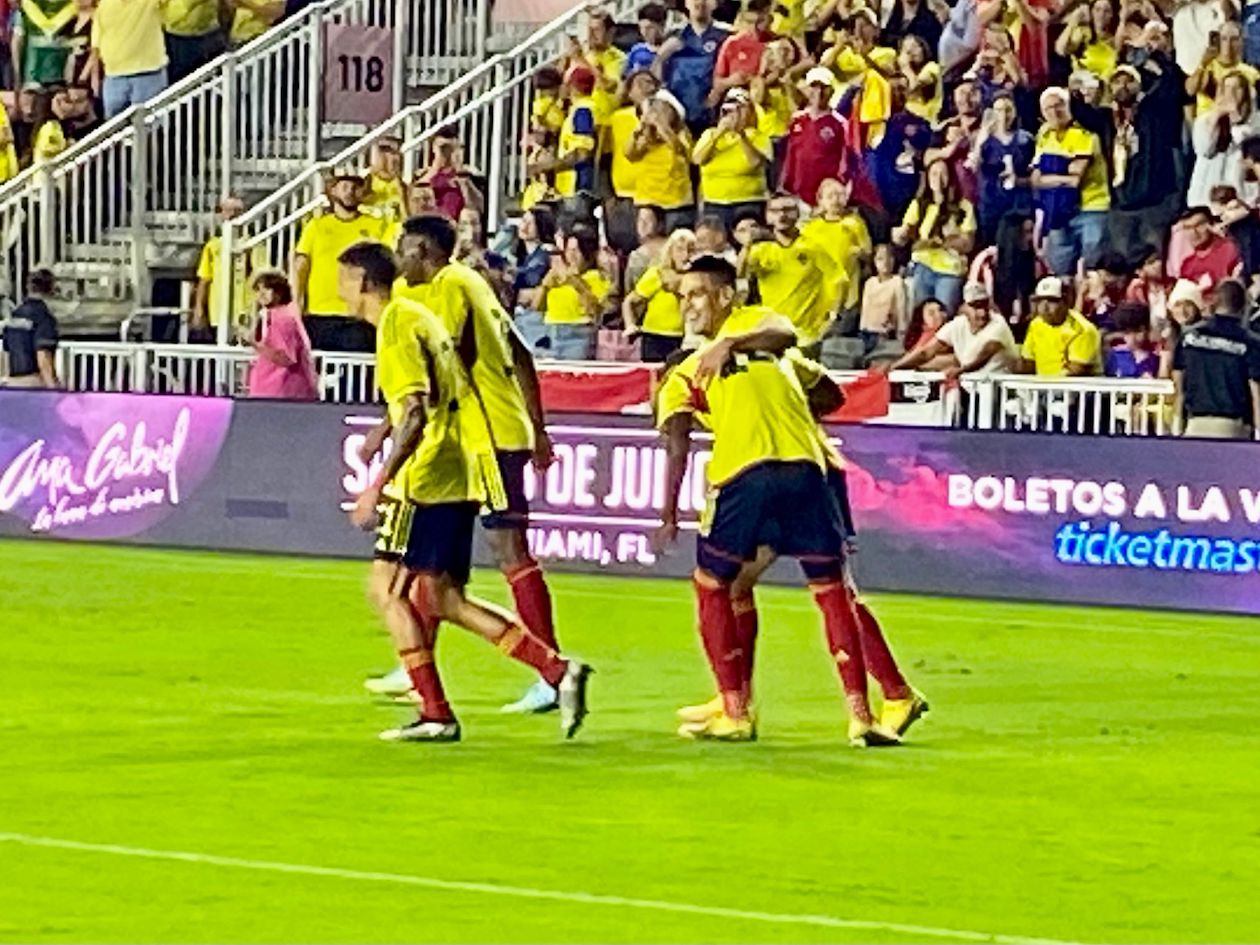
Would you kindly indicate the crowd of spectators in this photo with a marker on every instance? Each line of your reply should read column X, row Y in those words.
column 1018, row 185
column 66, row 66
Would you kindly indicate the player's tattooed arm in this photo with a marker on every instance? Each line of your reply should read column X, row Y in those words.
column 407, row 436
column 375, row 440
column 677, row 448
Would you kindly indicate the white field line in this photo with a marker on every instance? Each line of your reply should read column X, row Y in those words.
column 525, row 892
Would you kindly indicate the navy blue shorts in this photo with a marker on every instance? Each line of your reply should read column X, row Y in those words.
column 838, row 482
column 512, row 464
column 432, row 538
column 788, row 506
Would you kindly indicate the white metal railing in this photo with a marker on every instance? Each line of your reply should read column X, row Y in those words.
column 104, row 207
column 1097, row 405
column 489, row 106
column 1138, row 407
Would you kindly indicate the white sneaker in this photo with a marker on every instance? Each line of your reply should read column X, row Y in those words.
column 422, row 731
column 573, row 697
column 538, row 698
column 396, row 683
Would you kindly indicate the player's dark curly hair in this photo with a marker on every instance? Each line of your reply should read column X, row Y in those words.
column 434, row 227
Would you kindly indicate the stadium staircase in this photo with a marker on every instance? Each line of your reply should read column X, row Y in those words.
column 489, row 106
column 129, row 207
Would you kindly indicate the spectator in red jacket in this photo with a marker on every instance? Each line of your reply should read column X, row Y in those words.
column 818, row 147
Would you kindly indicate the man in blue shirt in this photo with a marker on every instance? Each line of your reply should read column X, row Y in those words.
column 686, row 61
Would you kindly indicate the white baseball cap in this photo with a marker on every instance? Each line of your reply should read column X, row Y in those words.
column 1186, row 291
column 974, row 292
column 1051, row 287
column 820, row 75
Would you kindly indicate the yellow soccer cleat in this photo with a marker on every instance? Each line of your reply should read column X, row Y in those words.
column 899, row 714
column 720, row 728
column 864, row 735
column 699, row 714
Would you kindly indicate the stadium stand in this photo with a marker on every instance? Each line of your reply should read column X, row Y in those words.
column 879, row 173
column 120, row 210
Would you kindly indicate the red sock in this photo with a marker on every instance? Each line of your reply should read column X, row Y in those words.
column 517, row 643
column 845, row 642
column 533, row 602
column 745, row 610
column 879, row 659
column 424, row 677
column 717, row 630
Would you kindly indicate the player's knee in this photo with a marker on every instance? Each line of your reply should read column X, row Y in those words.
column 510, row 549
column 380, row 588
column 718, row 565
column 445, row 595
column 819, row 570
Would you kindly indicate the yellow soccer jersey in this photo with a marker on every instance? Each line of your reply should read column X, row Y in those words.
column 323, row 240
column 757, row 409
column 846, row 241
column 385, row 198
column 455, row 460
column 462, row 299
column 798, row 281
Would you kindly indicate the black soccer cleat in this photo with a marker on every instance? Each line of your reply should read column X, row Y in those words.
column 573, row 697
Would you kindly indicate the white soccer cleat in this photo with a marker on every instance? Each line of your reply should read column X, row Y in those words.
column 538, row 698
column 396, row 683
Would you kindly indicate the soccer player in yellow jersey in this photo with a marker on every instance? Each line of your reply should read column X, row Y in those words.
column 796, row 276
column 502, row 373
column 425, row 502
column 903, row 706
column 767, row 473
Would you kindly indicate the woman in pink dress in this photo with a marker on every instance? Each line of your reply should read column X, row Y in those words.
column 283, row 366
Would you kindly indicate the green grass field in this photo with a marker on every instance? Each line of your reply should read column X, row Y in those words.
column 1086, row 775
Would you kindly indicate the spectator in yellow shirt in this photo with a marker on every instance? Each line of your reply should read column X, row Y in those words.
column 795, row 276
column 1061, row 342
column 924, row 93
column 840, row 230
column 206, row 310
column 194, row 35
column 619, row 215
column 384, row 193
column 733, row 158
column 774, row 91
column 940, row 225
column 1089, row 38
column 574, row 297
column 660, row 151
column 315, row 262
column 547, row 110
column 252, row 18
column 652, row 310
column 1220, row 59
column 607, row 62
column 128, row 42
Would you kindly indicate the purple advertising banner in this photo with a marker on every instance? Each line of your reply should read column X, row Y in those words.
column 1127, row 521
column 93, row 467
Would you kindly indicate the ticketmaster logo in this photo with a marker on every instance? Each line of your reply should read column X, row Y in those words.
column 1113, row 546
